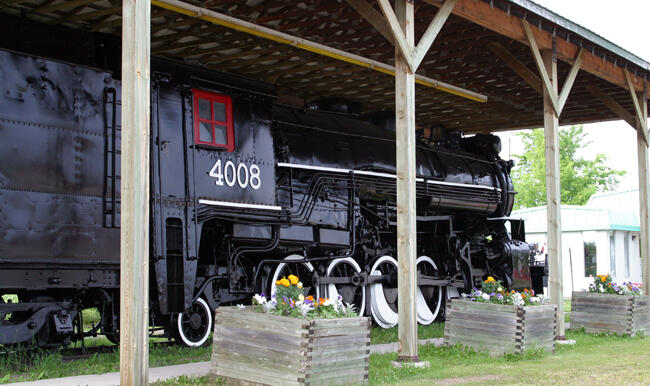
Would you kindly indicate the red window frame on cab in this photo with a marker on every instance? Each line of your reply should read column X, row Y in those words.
column 228, row 123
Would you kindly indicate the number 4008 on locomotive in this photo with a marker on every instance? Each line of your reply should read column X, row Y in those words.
column 244, row 190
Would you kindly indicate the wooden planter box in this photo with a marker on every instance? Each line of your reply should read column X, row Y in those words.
column 624, row 315
column 276, row 350
column 498, row 328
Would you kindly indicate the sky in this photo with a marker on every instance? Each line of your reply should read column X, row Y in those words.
column 621, row 22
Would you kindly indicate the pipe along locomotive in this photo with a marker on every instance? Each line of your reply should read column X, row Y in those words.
column 244, row 190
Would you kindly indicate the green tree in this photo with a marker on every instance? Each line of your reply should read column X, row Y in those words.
column 579, row 177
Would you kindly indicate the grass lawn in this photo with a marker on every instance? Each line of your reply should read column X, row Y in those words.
column 388, row 335
column 44, row 364
column 600, row 359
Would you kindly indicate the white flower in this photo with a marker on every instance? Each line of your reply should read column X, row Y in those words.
column 329, row 302
column 259, row 299
column 269, row 306
column 485, row 296
column 301, row 297
column 299, row 285
column 601, row 289
column 499, row 289
column 517, row 300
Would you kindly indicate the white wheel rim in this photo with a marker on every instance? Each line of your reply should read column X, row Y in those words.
column 332, row 292
column 280, row 267
column 207, row 331
column 425, row 314
column 382, row 313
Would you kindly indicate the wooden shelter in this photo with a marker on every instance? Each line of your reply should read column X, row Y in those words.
column 470, row 65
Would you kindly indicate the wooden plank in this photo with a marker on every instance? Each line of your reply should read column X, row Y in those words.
column 493, row 18
column 517, row 66
column 399, row 32
column 549, row 88
column 226, row 333
column 553, row 219
column 373, row 17
column 568, row 82
column 134, row 222
column 431, row 33
column 234, row 369
column 332, row 368
column 496, row 317
column 341, row 322
column 612, row 104
column 479, row 307
column 338, row 340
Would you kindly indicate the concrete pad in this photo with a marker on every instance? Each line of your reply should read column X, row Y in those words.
column 197, row 369
column 417, row 365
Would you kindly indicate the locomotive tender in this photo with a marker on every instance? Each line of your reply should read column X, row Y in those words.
column 244, row 190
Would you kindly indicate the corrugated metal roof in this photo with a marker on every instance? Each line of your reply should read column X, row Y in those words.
column 581, row 31
column 603, row 211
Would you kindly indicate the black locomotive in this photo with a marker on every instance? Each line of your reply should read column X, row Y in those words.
column 244, row 190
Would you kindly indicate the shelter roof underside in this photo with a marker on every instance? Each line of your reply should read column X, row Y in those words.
column 463, row 55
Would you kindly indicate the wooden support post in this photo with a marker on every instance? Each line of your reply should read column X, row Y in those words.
column 642, row 146
column 134, row 232
column 553, row 223
column 406, row 222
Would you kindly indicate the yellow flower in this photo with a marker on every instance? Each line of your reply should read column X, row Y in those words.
column 285, row 282
column 301, row 297
column 293, row 279
column 278, row 282
column 299, row 285
column 603, row 279
column 490, row 279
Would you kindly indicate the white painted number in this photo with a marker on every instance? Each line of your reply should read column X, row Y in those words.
column 242, row 183
column 216, row 173
column 242, row 174
column 256, row 182
column 230, row 181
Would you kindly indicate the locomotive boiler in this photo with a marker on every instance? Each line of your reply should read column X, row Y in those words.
column 244, row 190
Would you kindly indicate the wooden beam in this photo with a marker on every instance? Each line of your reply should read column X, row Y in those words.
column 405, row 48
column 612, row 105
column 497, row 20
column 517, row 66
column 541, row 67
column 134, row 223
column 373, row 17
column 644, row 178
column 568, row 82
column 553, row 210
column 635, row 100
column 307, row 45
column 432, row 32
column 406, row 189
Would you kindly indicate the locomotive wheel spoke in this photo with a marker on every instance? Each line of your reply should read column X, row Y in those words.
column 383, row 305
column 302, row 269
column 192, row 328
column 429, row 298
column 350, row 293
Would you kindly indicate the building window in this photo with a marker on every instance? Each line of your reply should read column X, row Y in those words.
column 213, row 122
column 612, row 254
column 590, row 258
column 627, row 254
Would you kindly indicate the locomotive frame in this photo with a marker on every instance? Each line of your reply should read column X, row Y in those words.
column 217, row 235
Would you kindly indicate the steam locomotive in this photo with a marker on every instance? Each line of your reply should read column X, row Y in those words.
column 244, row 190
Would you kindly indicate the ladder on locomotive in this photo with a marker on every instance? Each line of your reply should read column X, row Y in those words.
column 112, row 159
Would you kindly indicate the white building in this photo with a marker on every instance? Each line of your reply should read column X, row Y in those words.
column 601, row 237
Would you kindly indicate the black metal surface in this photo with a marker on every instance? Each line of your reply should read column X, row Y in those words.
column 325, row 189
